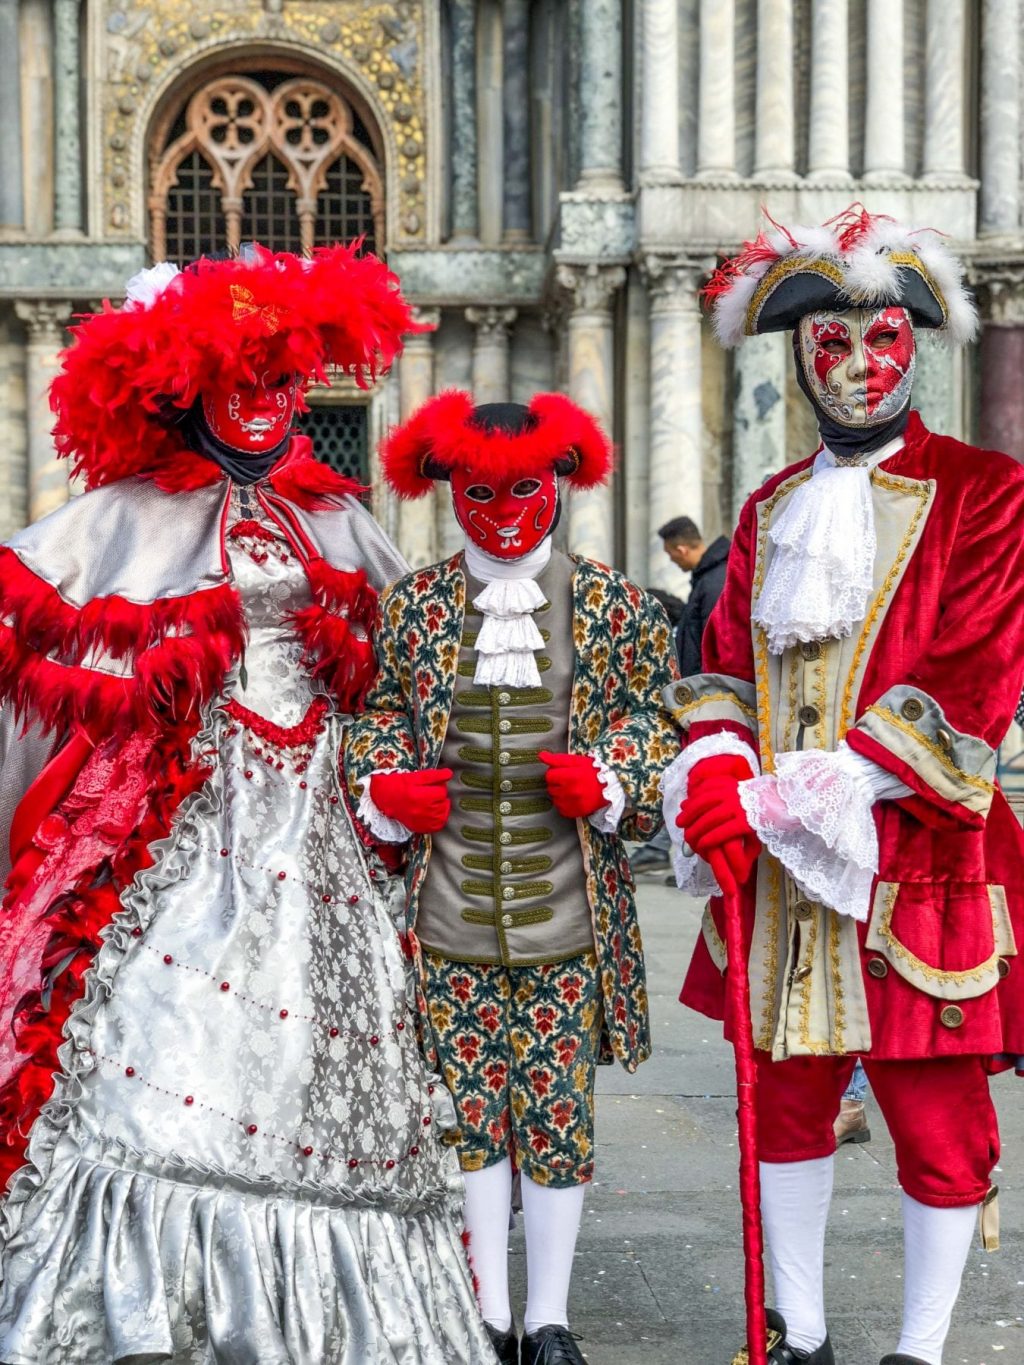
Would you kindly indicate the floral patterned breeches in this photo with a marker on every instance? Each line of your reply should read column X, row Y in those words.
column 518, row 1048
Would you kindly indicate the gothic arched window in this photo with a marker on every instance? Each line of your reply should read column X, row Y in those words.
column 283, row 160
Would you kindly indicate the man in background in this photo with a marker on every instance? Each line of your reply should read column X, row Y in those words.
column 685, row 547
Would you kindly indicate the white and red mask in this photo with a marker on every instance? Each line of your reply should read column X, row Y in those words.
column 252, row 417
column 858, row 364
column 505, row 518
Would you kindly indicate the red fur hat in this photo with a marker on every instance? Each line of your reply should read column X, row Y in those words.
column 132, row 372
column 503, row 441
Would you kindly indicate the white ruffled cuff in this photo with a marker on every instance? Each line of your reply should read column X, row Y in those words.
column 814, row 814
column 693, row 874
column 606, row 820
column 381, row 826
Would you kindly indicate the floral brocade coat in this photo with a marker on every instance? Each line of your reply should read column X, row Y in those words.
column 624, row 657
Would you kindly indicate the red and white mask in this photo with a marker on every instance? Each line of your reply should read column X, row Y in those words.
column 859, row 364
column 505, row 518
column 253, row 417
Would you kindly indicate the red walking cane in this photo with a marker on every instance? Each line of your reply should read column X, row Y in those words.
column 756, row 1352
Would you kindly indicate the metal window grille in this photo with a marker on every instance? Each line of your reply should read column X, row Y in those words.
column 344, row 206
column 195, row 224
column 340, row 436
column 269, row 210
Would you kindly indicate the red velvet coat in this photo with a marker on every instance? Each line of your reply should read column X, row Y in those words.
column 927, row 690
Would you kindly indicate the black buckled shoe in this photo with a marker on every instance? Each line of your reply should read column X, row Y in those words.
column 551, row 1345
column 901, row 1360
column 506, row 1344
column 779, row 1350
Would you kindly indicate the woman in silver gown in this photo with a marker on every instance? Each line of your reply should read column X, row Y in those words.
column 239, row 1158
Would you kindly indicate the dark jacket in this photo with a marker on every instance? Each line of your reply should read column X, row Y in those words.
column 706, row 583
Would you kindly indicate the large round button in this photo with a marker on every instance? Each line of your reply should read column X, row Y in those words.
column 684, row 694
column 504, row 838
column 505, row 784
column 1003, row 967
column 504, row 758
column 508, row 894
column 945, row 740
column 506, row 867
column 505, row 807
column 504, row 726
column 507, row 921
column 811, row 649
column 912, row 709
column 878, row 967
column 802, row 973
column 809, row 715
column 803, row 910
column 952, row 1016
column 504, row 698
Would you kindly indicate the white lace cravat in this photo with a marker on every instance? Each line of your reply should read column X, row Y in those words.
column 508, row 636
column 819, row 580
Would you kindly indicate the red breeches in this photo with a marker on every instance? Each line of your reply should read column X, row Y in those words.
column 938, row 1111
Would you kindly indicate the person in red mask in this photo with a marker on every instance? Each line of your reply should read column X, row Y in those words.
column 514, row 737
column 859, row 672
column 221, row 1137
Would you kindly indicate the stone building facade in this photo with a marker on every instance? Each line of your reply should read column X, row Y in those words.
column 552, row 179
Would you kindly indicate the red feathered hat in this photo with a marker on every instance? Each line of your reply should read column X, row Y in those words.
column 496, row 440
column 132, row 372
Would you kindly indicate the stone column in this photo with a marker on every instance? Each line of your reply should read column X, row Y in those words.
column 659, row 92
column 516, row 81
column 1001, row 404
column 12, row 203
column 600, row 61
column 465, row 209
column 883, row 136
column 591, row 356
column 773, row 125
column 944, row 90
column 716, row 109
column 47, row 477
column 999, row 196
column 829, row 132
column 761, row 366
column 491, row 375
column 675, row 479
column 67, row 119
column 416, row 518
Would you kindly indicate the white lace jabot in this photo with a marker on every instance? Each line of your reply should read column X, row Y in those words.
column 508, row 635
column 819, row 580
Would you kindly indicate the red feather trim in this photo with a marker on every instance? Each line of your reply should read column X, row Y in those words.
column 80, row 913
column 442, row 430
column 130, row 371
column 308, row 482
column 336, row 632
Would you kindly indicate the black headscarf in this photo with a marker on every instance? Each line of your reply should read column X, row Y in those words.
column 848, row 442
column 238, row 465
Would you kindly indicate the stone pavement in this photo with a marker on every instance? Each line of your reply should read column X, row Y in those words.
column 659, row 1275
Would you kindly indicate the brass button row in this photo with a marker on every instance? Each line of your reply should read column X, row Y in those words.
column 912, row 709
column 809, row 715
column 811, row 649
column 803, row 910
column 504, row 698
column 878, row 967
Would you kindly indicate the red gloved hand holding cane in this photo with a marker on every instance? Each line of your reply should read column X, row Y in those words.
column 716, row 827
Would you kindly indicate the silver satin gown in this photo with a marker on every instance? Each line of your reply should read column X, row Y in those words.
column 241, row 1160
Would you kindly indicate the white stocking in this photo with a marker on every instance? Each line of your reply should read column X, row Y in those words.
column 488, row 1200
column 795, row 1196
column 552, row 1221
column 935, row 1247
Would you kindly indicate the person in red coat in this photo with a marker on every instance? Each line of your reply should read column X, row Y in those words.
column 860, row 670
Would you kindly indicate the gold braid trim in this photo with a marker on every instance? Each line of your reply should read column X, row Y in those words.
column 775, row 276
column 936, row 750
column 885, row 931
column 839, row 1023
column 748, row 712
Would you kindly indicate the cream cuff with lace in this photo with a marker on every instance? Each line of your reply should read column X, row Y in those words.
column 693, row 874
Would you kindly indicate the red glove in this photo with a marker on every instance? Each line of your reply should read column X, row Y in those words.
column 573, row 784
column 419, row 800
column 714, row 822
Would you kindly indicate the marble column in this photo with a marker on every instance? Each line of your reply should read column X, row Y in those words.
column 12, row 202
column 516, row 81
column 491, row 375
column 600, row 59
column 828, row 155
column 591, row 290
column 883, row 136
column 675, row 479
column 1000, row 194
column 773, row 125
column 944, row 90
column 1001, row 404
column 716, row 108
column 465, row 210
column 760, row 369
column 47, row 476
column 416, row 518
column 659, row 92
column 67, row 119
